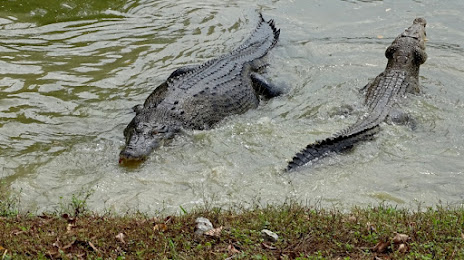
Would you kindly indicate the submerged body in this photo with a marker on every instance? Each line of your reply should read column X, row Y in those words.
column 199, row 96
column 383, row 94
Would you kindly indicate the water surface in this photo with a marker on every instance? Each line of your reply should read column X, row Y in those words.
column 70, row 71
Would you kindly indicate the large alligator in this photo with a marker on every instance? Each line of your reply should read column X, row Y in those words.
column 383, row 95
column 199, row 96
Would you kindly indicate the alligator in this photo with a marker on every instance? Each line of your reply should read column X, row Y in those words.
column 196, row 97
column 382, row 96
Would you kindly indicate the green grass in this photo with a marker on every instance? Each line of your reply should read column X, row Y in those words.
column 304, row 233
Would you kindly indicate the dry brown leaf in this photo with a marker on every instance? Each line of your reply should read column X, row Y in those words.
column 120, row 237
column 17, row 232
column 68, row 245
column 93, row 247
column 462, row 235
column 54, row 254
column 232, row 249
column 400, row 238
column 215, row 232
column 381, row 247
column 70, row 227
column 161, row 227
column 57, row 243
column 352, row 218
column 370, row 228
column 4, row 254
column 266, row 246
column 168, row 219
column 403, row 248
column 2, row 248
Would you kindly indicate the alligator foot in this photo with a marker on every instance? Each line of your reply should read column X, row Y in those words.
column 263, row 87
column 398, row 117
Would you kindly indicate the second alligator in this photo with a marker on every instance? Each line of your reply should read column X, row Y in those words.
column 383, row 94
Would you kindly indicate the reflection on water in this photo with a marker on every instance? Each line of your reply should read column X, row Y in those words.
column 71, row 71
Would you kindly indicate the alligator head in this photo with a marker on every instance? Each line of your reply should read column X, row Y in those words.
column 409, row 47
column 143, row 136
column 417, row 31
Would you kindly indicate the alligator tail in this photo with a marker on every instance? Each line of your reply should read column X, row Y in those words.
column 261, row 40
column 276, row 32
column 336, row 144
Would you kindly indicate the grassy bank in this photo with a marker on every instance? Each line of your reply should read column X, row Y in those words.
column 381, row 232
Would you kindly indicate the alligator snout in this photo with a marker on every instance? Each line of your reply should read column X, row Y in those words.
column 131, row 155
column 138, row 147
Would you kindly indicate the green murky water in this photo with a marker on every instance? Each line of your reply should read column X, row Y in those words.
column 70, row 71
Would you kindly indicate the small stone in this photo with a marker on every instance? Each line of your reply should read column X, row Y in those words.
column 202, row 225
column 400, row 238
column 269, row 235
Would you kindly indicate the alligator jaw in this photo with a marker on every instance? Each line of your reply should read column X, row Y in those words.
column 138, row 149
column 127, row 156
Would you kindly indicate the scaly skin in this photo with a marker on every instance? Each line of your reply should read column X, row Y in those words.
column 405, row 55
column 199, row 96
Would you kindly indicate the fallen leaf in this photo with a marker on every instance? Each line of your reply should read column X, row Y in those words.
column 161, row 227
column 120, row 237
column 215, row 232
column 57, row 243
column 55, row 254
column 352, row 218
column 68, row 245
column 400, row 238
column 462, row 235
column 2, row 248
column 370, row 228
column 168, row 219
column 403, row 248
column 17, row 232
column 232, row 249
column 381, row 247
column 266, row 246
column 93, row 247
column 69, row 227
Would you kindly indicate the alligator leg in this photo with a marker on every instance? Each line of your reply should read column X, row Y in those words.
column 399, row 117
column 259, row 65
column 371, row 84
column 263, row 87
column 413, row 86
